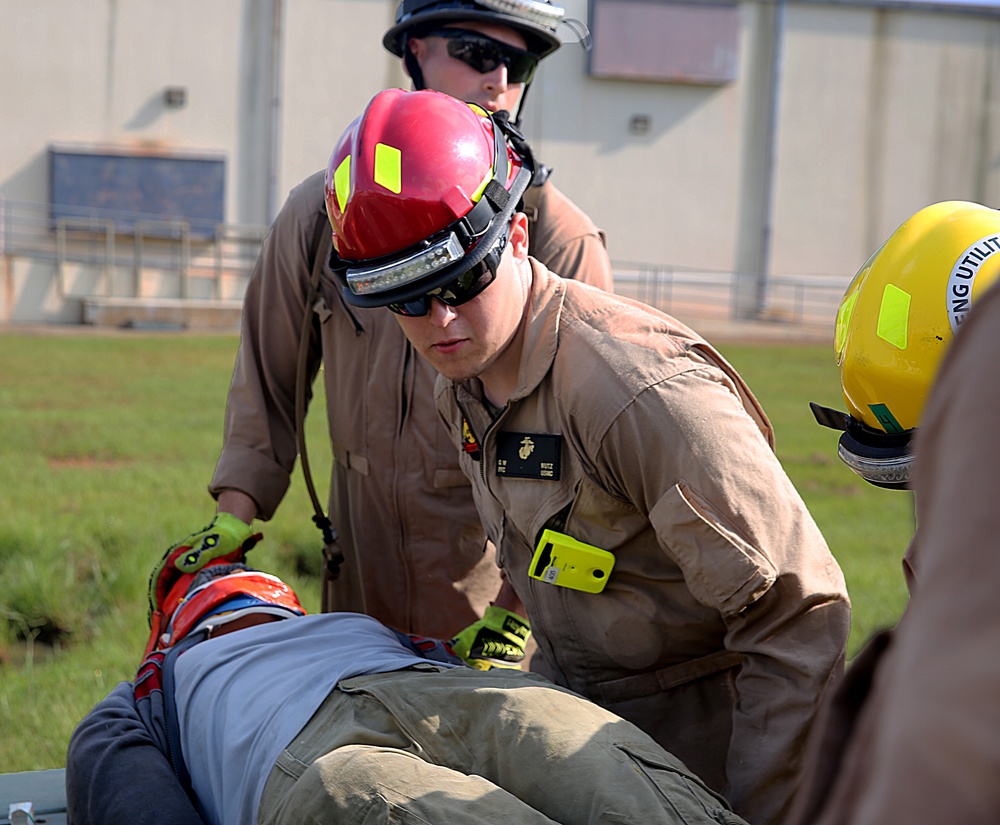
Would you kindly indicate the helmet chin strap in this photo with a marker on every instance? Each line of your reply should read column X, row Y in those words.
column 520, row 104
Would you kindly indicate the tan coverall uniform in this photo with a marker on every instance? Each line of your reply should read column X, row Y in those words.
column 912, row 733
column 725, row 615
column 413, row 542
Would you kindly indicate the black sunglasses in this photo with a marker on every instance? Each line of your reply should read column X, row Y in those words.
column 456, row 292
column 484, row 54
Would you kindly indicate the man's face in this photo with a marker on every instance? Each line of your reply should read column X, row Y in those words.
column 444, row 73
column 479, row 338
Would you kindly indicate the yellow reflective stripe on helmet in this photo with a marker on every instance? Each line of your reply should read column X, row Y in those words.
column 475, row 196
column 893, row 316
column 388, row 167
column 342, row 182
column 843, row 322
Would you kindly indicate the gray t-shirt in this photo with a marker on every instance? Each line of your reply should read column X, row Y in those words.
column 244, row 696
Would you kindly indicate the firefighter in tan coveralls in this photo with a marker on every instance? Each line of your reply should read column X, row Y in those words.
column 623, row 469
column 413, row 542
column 912, row 733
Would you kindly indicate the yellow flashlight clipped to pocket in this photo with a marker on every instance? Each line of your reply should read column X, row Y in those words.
column 565, row 562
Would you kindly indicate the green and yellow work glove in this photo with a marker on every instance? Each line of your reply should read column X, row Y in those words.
column 496, row 640
column 226, row 539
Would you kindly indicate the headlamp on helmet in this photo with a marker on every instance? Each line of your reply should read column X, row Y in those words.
column 895, row 322
column 420, row 264
column 540, row 13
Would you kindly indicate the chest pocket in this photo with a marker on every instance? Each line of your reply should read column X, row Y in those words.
column 601, row 519
column 346, row 347
column 531, row 506
column 722, row 569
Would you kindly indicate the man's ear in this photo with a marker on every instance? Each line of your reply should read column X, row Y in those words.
column 519, row 235
column 416, row 48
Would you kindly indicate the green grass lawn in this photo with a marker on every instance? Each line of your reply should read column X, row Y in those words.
column 109, row 441
column 867, row 528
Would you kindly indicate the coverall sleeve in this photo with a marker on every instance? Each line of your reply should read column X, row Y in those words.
column 115, row 773
column 587, row 259
column 259, row 447
column 566, row 240
column 726, row 513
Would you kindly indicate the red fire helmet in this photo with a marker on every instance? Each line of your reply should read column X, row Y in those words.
column 419, row 189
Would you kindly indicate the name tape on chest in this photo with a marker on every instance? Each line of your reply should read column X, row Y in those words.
column 529, row 455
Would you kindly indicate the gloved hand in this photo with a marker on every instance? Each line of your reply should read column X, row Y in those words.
column 496, row 640
column 227, row 538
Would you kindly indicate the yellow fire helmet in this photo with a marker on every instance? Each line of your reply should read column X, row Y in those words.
column 895, row 323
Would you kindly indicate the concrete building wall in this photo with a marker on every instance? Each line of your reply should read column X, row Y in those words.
column 882, row 112
column 843, row 117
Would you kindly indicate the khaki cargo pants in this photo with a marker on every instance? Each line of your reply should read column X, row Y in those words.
column 443, row 746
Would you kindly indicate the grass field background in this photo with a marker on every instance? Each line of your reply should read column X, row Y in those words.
column 107, row 444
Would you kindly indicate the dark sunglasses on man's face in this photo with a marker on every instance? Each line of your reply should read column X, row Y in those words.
column 459, row 291
column 484, row 54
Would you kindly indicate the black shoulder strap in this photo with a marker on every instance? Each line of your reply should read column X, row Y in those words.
column 315, row 265
column 333, row 557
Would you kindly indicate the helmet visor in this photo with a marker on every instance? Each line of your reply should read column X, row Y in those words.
column 484, row 54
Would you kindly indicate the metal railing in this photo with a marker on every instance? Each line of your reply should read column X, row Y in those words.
column 120, row 259
column 688, row 292
column 65, row 229
column 122, row 249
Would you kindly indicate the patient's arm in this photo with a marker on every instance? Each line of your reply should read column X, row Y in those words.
column 115, row 773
